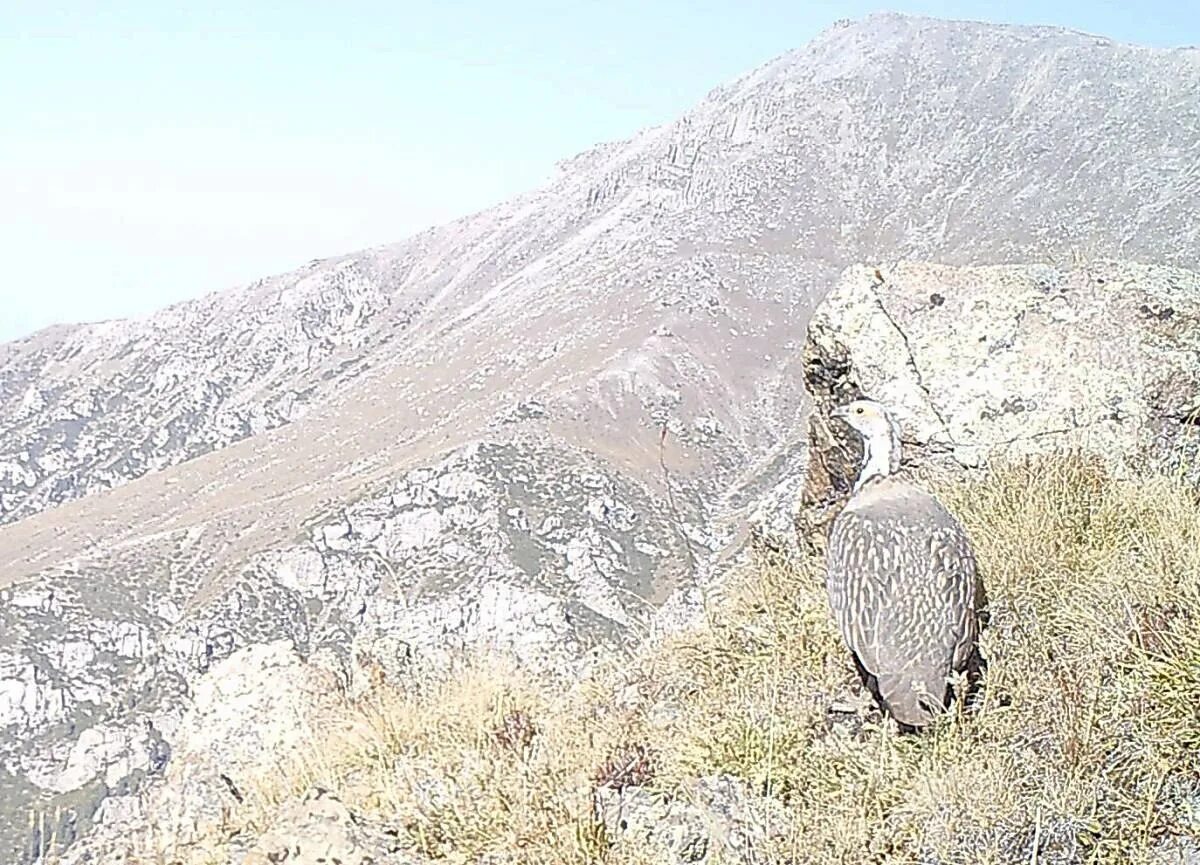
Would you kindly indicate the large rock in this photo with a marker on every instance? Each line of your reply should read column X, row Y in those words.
column 252, row 713
column 982, row 362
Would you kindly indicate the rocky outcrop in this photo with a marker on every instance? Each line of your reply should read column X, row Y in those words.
column 517, row 547
column 981, row 363
column 253, row 712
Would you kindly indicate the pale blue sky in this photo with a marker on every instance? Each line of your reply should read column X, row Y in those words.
column 152, row 154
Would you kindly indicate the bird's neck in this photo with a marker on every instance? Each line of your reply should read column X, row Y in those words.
column 881, row 457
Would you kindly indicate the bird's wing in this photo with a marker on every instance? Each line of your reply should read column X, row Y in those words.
column 957, row 578
column 902, row 582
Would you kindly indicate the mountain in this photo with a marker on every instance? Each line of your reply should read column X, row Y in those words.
column 537, row 425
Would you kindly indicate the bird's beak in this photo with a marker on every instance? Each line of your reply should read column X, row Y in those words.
column 839, row 413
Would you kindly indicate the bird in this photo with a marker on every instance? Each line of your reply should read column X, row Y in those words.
column 902, row 581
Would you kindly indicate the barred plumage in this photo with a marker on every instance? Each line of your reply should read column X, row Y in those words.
column 902, row 580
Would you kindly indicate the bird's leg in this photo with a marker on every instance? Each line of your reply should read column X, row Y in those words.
column 968, row 684
column 976, row 667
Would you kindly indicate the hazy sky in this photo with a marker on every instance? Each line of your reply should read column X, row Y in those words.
column 154, row 153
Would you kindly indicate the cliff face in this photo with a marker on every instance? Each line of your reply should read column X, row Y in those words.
column 460, row 438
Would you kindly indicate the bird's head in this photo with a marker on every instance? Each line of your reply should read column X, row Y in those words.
column 880, row 434
column 869, row 418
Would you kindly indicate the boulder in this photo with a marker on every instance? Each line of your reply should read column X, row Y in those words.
column 986, row 362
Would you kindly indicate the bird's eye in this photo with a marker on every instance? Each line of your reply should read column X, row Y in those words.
column 858, row 410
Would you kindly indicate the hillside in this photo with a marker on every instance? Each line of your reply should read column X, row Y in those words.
column 741, row 736
column 458, row 439
column 742, row 739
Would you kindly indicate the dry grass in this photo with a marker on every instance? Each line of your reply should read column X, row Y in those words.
column 1085, row 748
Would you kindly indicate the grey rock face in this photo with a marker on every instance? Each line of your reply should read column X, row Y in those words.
column 460, row 438
column 89, row 407
column 1009, row 361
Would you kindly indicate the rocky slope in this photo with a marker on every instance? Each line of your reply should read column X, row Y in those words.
column 460, row 437
column 969, row 358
